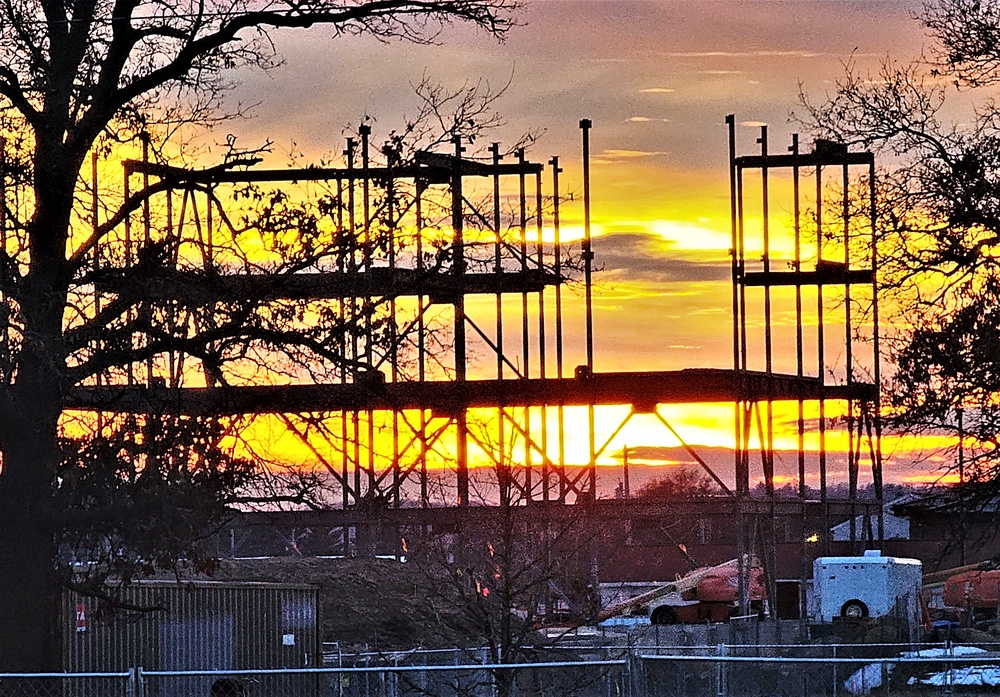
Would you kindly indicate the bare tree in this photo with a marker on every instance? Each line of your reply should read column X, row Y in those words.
column 87, row 74
column 938, row 208
column 680, row 483
column 521, row 566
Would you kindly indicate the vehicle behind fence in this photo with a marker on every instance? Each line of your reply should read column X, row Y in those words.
column 730, row 671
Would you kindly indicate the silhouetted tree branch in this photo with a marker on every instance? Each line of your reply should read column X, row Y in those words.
column 938, row 208
column 79, row 77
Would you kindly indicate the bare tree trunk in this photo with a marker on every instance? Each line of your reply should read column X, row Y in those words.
column 29, row 587
column 29, row 590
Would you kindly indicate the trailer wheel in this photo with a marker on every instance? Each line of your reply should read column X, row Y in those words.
column 854, row 610
column 663, row 615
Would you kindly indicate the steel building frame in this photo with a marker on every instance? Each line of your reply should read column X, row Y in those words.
column 843, row 258
column 525, row 274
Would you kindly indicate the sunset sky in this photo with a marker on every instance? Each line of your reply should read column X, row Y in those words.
column 657, row 77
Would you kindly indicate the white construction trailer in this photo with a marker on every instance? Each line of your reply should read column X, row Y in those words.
column 855, row 588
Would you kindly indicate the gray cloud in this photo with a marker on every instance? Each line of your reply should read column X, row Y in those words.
column 639, row 256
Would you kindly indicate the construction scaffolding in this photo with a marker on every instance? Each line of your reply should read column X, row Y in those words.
column 844, row 325
column 445, row 278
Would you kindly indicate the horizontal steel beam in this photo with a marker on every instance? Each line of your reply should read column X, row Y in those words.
column 810, row 159
column 612, row 510
column 822, row 277
column 642, row 391
column 430, row 167
column 202, row 288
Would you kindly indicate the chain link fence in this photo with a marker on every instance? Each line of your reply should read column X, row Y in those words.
column 694, row 671
column 70, row 684
column 586, row 679
column 817, row 671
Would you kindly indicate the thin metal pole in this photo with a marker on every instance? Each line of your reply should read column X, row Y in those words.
column 525, row 320
column 523, row 231
column 877, row 368
column 146, row 234
column 799, row 338
column 458, row 269
column 350, row 153
column 739, row 358
column 588, row 253
column 737, row 273
column 3, row 195
column 127, row 193
column 588, row 256
column 625, row 474
column 391, row 230
column 498, row 269
column 768, row 366
column 800, row 371
column 144, row 137
column 852, row 459
column 541, row 329
column 498, row 260
column 421, row 343
column 768, row 446
column 560, row 411
column 743, row 472
column 175, row 365
column 365, row 132
column 821, row 360
column 95, row 214
column 342, row 265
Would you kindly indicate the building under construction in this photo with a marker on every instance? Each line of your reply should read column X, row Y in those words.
column 465, row 362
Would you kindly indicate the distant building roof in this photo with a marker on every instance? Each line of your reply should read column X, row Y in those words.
column 895, row 527
column 977, row 498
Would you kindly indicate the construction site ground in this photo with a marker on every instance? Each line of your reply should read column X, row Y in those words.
column 383, row 604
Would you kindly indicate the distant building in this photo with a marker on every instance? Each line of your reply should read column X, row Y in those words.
column 894, row 527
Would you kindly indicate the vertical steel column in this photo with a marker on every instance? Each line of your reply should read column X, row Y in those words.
column 736, row 256
column 739, row 355
column 94, row 213
column 144, row 138
column 821, row 356
column 541, row 330
column 799, row 338
column 391, row 228
column 768, row 446
column 3, row 194
column 342, row 268
column 350, row 153
column 588, row 270
column 126, row 194
column 175, row 367
column 877, row 368
column 852, row 459
column 5, row 336
column 737, row 274
column 525, row 326
column 770, row 556
column 560, row 410
column 146, row 238
column 498, row 269
column 800, row 371
column 419, row 186
column 627, row 493
column 743, row 469
column 458, row 269
column 368, row 307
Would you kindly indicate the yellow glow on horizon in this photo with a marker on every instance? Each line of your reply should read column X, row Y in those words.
column 948, row 478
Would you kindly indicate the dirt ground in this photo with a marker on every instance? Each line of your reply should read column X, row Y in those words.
column 371, row 603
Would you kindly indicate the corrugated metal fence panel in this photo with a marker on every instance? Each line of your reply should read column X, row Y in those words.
column 194, row 626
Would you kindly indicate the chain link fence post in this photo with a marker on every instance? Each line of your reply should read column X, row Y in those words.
column 135, row 684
